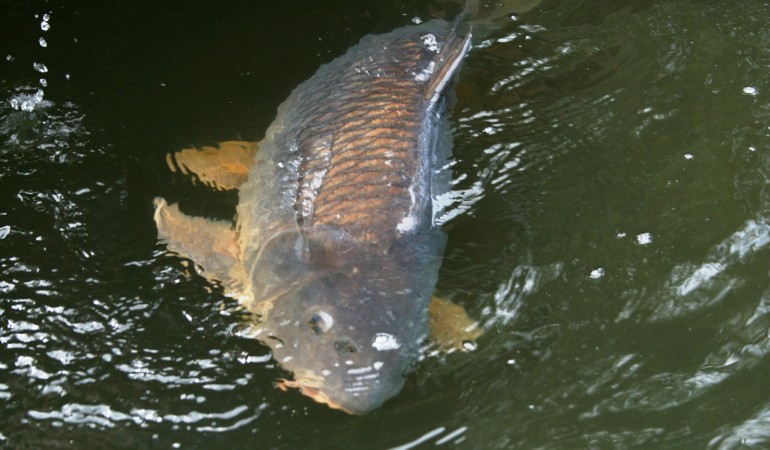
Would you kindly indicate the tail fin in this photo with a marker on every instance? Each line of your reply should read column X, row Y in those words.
column 470, row 10
column 500, row 9
column 487, row 17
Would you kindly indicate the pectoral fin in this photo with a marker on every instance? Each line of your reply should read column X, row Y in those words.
column 211, row 244
column 450, row 327
column 223, row 167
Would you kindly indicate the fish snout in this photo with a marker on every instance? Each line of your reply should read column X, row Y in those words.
column 366, row 388
column 357, row 389
column 361, row 395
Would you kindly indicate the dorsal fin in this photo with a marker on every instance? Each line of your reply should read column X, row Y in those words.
column 447, row 62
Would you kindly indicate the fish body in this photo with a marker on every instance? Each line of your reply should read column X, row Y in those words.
column 336, row 225
column 335, row 248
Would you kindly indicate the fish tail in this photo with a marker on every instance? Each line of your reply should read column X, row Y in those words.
column 471, row 8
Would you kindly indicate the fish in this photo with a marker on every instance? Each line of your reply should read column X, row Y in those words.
column 335, row 247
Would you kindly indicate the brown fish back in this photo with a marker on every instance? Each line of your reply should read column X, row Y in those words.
column 353, row 148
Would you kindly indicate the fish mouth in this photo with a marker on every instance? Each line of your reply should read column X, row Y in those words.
column 351, row 403
column 314, row 393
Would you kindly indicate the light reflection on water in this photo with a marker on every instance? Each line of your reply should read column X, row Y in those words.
column 608, row 227
column 635, row 189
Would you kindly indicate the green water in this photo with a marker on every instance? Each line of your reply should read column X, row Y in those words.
column 608, row 227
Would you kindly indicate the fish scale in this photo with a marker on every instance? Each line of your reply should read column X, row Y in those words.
column 358, row 141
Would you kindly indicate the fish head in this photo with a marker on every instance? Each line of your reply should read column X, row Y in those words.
column 350, row 330
column 345, row 348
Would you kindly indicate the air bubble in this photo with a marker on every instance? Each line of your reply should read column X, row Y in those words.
column 750, row 90
column 42, row 42
column 40, row 67
column 644, row 238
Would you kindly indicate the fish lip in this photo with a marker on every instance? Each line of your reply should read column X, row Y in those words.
column 314, row 393
column 317, row 393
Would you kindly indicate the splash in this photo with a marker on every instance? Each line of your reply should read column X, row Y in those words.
column 28, row 102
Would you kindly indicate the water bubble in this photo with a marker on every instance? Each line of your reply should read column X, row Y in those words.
column 42, row 42
column 644, row 238
column 750, row 90
column 40, row 67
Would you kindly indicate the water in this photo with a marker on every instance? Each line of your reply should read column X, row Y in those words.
column 608, row 226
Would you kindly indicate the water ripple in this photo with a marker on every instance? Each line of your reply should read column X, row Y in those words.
column 106, row 417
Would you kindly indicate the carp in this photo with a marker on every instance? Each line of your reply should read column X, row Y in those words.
column 334, row 246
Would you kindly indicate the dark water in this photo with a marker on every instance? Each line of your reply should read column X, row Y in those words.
column 609, row 227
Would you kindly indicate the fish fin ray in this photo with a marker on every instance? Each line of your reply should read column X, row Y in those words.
column 450, row 327
column 211, row 244
column 224, row 167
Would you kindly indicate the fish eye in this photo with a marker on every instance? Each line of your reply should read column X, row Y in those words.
column 320, row 322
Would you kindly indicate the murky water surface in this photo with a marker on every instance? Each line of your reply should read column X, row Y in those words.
column 608, row 227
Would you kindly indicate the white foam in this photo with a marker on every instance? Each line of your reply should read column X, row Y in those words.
column 385, row 341
column 430, row 41
column 425, row 73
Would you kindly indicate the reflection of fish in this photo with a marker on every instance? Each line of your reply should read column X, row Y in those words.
column 335, row 249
